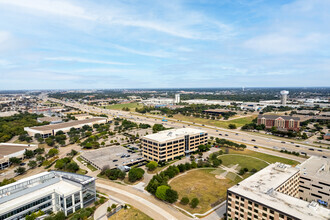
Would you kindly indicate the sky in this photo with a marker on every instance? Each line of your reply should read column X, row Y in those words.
column 81, row 44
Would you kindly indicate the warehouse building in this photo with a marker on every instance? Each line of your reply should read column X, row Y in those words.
column 273, row 193
column 48, row 130
column 48, row 191
column 169, row 144
column 8, row 150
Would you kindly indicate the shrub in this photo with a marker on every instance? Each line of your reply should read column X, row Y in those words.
column 135, row 174
column 161, row 192
column 194, row 203
column 152, row 165
column 171, row 195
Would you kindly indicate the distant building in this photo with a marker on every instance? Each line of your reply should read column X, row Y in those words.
column 284, row 97
column 326, row 136
column 273, row 193
column 177, row 98
column 51, row 120
column 8, row 150
column 169, row 144
column 48, row 130
column 282, row 123
column 49, row 192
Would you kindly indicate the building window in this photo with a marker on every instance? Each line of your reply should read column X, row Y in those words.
column 264, row 208
column 281, row 216
column 316, row 195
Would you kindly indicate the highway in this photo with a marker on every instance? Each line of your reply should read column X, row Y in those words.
column 232, row 135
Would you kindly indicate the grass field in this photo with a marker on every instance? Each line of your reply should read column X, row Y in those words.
column 203, row 185
column 130, row 213
column 131, row 106
column 223, row 124
column 265, row 157
column 243, row 161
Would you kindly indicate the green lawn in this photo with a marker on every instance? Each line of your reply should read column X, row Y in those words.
column 89, row 166
column 131, row 106
column 223, row 124
column 202, row 184
column 243, row 161
column 265, row 157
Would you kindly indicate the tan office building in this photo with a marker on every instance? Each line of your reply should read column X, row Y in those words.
column 272, row 194
column 169, row 144
column 315, row 180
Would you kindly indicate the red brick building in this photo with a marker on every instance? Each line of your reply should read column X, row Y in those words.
column 282, row 123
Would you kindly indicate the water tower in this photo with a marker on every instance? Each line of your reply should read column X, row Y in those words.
column 284, row 96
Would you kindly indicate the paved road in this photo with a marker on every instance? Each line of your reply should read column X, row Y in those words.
column 149, row 205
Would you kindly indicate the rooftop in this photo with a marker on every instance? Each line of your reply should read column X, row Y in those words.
column 261, row 188
column 7, row 148
column 67, row 124
column 173, row 134
column 285, row 117
column 50, row 119
column 316, row 167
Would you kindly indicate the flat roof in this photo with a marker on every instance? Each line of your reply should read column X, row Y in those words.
column 317, row 167
column 67, row 124
column 106, row 156
column 261, row 186
column 173, row 134
column 50, row 119
column 7, row 149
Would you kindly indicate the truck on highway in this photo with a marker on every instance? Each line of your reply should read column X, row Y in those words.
column 164, row 119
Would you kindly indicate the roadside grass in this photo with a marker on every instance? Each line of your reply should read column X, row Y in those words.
column 130, row 213
column 202, row 184
column 223, row 124
column 243, row 161
column 81, row 171
column 89, row 166
column 265, row 157
column 131, row 106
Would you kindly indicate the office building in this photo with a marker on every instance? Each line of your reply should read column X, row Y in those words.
column 315, row 180
column 48, row 130
column 48, row 191
column 177, row 98
column 8, row 150
column 272, row 193
column 282, row 123
column 169, row 144
column 284, row 96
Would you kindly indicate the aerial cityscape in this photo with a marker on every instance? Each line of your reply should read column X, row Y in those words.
column 164, row 110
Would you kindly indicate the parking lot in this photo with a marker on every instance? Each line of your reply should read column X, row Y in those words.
column 113, row 157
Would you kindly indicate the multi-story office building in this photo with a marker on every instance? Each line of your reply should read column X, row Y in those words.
column 169, row 144
column 315, row 180
column 48, row 191
column 283, row 123
column 272, row 194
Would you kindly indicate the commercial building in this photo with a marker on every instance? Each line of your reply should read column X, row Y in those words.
column 8, row 150
column 315, row 180
column 169, row 144
column 51, row 120
column 48, row 191
column 48, row 130
column 282, row 123
column 272, row 194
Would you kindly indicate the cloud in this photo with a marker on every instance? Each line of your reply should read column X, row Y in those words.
column 283, row 43
column 158, row 53
column 82, row 60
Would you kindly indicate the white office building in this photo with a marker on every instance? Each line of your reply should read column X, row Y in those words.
column 48, row 191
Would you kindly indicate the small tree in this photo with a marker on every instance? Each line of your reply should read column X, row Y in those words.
column 20, row 170
column 171, row 195
column 135, row 174
column 52, row 152
column 32, row 164
column 152, row 165
column 161, row 192
column 14, row 160
column 232, row 126
column 184, row 200
column 194, row 203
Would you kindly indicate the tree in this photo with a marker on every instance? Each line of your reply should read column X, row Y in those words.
column 135, row 174
column 14, row 160
column 72, row 167
column 158, row 127
column 32, row 164
column 28, row 153
column 232, row 126
column 40, row 159
column 194, row 203
column 171, row 195
column 40, row 150
column 20, row 170
column 304, row 136
column 152, row 165
column 52, row 152
column 161, row 192
column 184, row 200
column 50, row 142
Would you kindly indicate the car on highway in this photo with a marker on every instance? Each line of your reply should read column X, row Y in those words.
column 311, row 149
column 226, row 134
column 303, row 153
column 320, row 150
column 217, row 131
column 292, row 142
column 255, row 146
column 283, row 142
column 324, row 156
column 297, row 146
column 236, row 134
column 253, row 140
column 220, row 134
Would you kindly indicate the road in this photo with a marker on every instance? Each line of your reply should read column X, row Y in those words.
column 233, row 135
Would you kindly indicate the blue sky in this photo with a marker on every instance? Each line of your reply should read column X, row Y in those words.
column 74, row 44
